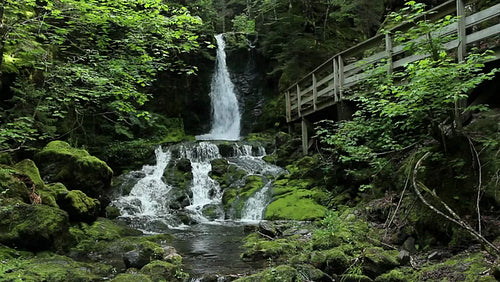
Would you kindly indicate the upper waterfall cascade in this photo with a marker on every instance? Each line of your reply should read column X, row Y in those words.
column 226, row 116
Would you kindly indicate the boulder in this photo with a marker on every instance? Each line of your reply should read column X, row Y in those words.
column 164, row 271
column 143, row 254
column 79, row 206
column 75, row 168
column 33, row 227
column 219, row 167
column 12, row 185
column 378, row 261
column 282, row 273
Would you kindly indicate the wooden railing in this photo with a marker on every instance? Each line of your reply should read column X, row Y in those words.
column 327, row 84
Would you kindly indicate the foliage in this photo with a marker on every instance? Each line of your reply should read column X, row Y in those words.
column 90, row 63
column 414, row 104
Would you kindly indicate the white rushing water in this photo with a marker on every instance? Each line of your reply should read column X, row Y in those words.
column 205, row 189
column 148, row 196
column 225, row 109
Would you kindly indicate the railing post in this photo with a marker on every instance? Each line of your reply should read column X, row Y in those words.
column 299, row 101
column 288, row 106
column 461, row 52
column 462, row 36
column 336, row 79
column 315, row 91
column 341, row 76
column 388, row 51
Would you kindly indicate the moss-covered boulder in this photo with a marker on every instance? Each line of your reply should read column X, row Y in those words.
column 75, row 168
column 51, row 267
column 179, row 175
column 378, row 261
column 79, row 206
column 296, row 205
column 281, row 273
column 219, row 167
column 29, row 168
column 333, row 261
column 33, row 227
column 143, row 254
column 131, row 277
column 115, row 244
column 12, row 185
column 164, row 271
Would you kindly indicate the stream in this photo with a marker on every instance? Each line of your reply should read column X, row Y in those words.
column 206, row 193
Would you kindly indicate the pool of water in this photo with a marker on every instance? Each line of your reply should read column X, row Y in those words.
column 213, row 248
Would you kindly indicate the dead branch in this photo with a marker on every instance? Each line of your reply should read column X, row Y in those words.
column 479, row 183
column 454, row 217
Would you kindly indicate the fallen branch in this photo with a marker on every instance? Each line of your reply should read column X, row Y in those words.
column 454, row 217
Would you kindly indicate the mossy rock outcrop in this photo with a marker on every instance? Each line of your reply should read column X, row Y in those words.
column 75, row 168
column 12, row 186
column 79, row 206
column 164, row 271
column 179, row 175
column 281, row 273
column 118, row 245
column 33, row 227
column 296, row 205
column 51, row 267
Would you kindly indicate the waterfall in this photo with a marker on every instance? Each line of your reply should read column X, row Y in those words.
column 147, row 198
column 205, row 190
column 254, row 207
column 225, row 109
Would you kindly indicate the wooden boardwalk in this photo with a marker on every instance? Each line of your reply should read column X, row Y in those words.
column 329, row 83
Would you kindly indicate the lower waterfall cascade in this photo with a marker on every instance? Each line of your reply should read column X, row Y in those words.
column 150, row 198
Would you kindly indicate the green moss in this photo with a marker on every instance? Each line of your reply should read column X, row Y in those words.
column 281, row 273
column 258, row 248
column 75, row 168
column 50, row 193
column 395, row 275
column 6, row 159
column 131, row 277
column 164, row 271
column 283, row 186
column 464, row 267
column 252, row 184
column 229, row 197
column 174, row 130
column 101, row 230
column 51, row 267
column 34, row 227
column 63, row 148
column 11, row 186
column 297, row 205
column 378, row 261
column 331, row 261
column 79, row 206
column 29, row 168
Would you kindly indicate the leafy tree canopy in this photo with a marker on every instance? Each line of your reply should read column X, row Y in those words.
column 77, row 61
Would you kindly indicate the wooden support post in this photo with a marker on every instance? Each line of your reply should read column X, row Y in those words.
column 299, row 101
column 315, row 91
column 388, row 51
column 288, row 106
column 461, row 52
column 341, row 76
column 336, row 79
column 305, row 136
column 462, row 36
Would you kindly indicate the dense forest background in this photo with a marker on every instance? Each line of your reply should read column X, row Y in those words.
column 96, row 72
